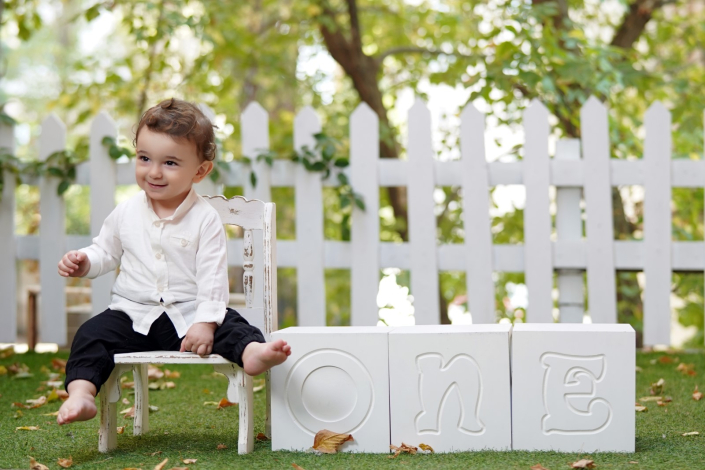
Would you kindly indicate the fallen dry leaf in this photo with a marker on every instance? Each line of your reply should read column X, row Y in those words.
column 121, row 429
column 127, row 385
column 27, row 428
column 224, row 403
column 3, row 370
column 161, row 464
column 583, row 463
column 171, row 375
column 52, row 396
column 221, row 447
column 697, row 395
column 328, row 442
column 125, row 401
column 297, row 467
column 633, row 461
column 189, row 461
column 426, row 448
column 59, row 364
column 37, row 402
column 129, row 412
column 657, row 388
column 638, row 407
column 209, row 403
column 650, row 398
column 694, row 433
column 686, row 369
column 6, row 352
column 538, row 466
column 18, row 414
column 262, row 437
column 34, row 465
column 56, row 413
column 154, row 373
column 665, row 359
column 404, row 448
column 65, row 463
column 153, row 408
column 178, row 468
column 155, row 453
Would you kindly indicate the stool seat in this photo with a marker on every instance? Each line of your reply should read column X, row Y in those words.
column 168, row 357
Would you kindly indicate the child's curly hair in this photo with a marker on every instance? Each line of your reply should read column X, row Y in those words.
column 181, row 120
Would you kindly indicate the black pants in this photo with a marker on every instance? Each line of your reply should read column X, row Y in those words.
column 110, row 333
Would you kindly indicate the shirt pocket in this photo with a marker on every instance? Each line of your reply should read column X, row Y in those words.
column 183, row 240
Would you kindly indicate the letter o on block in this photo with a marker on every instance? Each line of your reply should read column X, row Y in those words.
column 335, row 379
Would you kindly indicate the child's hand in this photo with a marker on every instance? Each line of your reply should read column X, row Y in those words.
column 74, row 264
column 199, row 338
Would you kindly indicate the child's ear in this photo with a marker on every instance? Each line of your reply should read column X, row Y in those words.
column 203, row 170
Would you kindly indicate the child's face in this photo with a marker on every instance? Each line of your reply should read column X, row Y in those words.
column 166, row 168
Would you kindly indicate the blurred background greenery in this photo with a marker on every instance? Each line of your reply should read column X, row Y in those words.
column 77, row 57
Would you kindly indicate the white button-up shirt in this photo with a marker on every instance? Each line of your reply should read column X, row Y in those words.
column 177, row 264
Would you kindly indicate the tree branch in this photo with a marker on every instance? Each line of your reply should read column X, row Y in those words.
column 634, row 22
column 354, row 25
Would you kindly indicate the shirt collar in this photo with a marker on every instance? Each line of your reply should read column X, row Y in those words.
column 191, row 198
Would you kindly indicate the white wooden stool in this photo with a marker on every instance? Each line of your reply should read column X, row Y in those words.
column 260, row 286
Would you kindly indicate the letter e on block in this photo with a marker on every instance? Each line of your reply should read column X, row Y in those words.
column 337, row 378
column 449, row 387
column 573, row 387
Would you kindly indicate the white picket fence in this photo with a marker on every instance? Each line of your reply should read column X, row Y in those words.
column 591, row 175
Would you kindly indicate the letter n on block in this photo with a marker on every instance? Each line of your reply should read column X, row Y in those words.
column 337, row 378
column 449, row 387
column 573, row 387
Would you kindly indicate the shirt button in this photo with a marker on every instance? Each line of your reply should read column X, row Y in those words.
column 184, row 242
column 158, row 256
column 160, row 288
column 157, row 224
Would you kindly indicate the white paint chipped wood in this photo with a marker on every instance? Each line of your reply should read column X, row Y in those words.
column 260, row 218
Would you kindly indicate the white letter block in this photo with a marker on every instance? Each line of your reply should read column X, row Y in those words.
column 573, row 387
column 337, row 378
column 450, row 387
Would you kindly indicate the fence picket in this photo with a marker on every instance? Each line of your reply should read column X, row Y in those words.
column 310, row 288
column 422, row 220
column 476, row 219
column 537, row 218
column 8, row 275
column 364, row 236
column 255, row 139
column 52, row 239
column 601, row 280
column 569, row 228
column 103, row 179
column 657, row 226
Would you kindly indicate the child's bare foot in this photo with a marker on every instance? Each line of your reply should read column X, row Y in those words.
column 260, row 357
column 80, row 405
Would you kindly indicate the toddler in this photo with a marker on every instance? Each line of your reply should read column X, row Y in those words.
column 172, row 290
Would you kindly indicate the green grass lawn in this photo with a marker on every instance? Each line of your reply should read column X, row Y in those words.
column 184, row 428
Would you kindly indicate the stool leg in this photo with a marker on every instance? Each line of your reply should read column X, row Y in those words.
column 141, row 424
column 107, row 437
column 268, row 409
column 240, row 389
column 246, row 441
